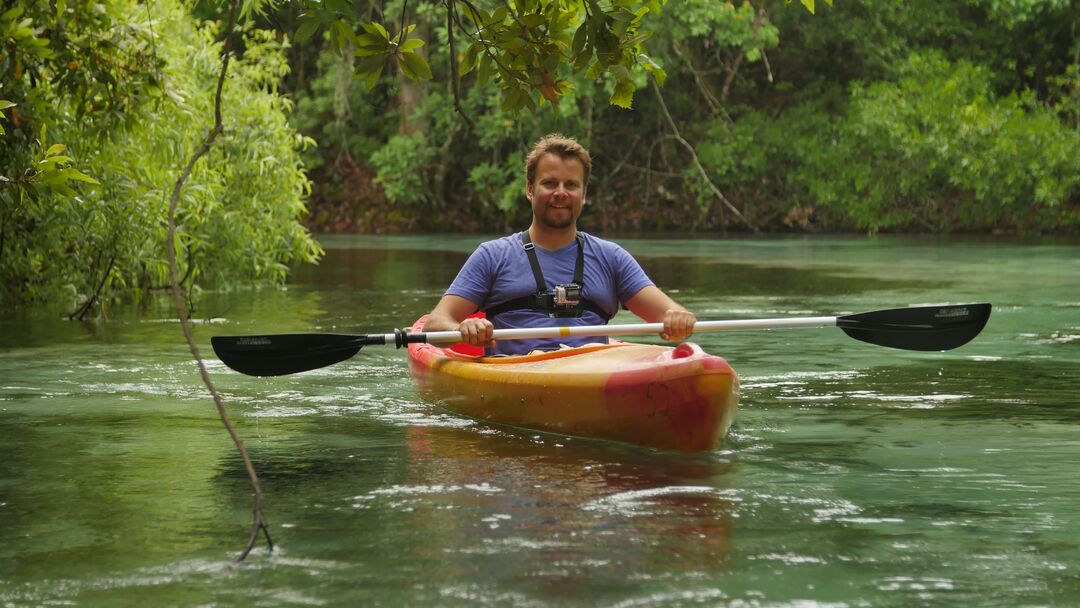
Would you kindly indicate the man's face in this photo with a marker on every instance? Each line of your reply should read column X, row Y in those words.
column 558, row 191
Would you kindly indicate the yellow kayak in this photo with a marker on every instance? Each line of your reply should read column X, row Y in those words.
column 675, row 398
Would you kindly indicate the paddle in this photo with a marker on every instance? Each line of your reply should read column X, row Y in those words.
column 925, row 328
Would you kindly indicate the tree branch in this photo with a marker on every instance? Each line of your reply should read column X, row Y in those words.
column 703, row 87
column 259, row 523
column 455, row 78
column 697, row 163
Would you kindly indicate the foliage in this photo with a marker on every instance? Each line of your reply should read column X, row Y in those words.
column 528, row 48
column 937, row 149
column 761, row 90
column 131, row 98
column 401, row 164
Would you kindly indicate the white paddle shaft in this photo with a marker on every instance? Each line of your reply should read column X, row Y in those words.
column 634, row 329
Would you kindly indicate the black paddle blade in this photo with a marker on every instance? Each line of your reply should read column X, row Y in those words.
column 280, row 354
column 919, row 327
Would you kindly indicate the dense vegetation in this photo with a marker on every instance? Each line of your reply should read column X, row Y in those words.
column 954, row 116
column 110, row 101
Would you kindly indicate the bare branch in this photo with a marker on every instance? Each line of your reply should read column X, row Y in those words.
column 455, row 78
column 259, row 523
column 697, row 163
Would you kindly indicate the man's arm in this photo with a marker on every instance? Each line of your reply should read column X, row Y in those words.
column 451, row 314
column 655, row 306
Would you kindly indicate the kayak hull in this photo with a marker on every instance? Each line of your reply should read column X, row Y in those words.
column 675, row 398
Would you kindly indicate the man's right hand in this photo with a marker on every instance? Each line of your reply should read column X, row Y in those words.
column 477, row 332
column 452, row 313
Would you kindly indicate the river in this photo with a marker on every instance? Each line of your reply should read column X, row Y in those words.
column 854, row 475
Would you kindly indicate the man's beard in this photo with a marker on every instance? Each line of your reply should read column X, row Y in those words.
column 557, row 221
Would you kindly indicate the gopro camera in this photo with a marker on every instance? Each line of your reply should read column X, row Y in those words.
column 566, row 297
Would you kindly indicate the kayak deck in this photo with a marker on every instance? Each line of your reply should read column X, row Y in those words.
column 678, row 398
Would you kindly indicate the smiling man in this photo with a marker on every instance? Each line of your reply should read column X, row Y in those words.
column 552, row 274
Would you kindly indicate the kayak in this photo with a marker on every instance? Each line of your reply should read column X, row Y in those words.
column 673, row 398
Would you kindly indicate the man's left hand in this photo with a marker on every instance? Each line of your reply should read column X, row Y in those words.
column 678, row 324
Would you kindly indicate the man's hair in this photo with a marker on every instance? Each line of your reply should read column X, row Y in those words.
column 561, row 146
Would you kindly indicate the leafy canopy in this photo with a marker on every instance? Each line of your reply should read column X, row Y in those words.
column 530, row 48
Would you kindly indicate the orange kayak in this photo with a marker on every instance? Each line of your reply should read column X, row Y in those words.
column 675, row 398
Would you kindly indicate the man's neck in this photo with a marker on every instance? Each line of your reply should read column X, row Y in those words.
column 551, row 239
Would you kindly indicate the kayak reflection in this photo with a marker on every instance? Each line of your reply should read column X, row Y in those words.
column 557, row 508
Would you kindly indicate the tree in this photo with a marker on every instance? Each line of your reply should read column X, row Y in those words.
column 127, row 94
column 530, row 48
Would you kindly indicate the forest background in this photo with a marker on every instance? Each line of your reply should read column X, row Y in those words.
column 952, row 116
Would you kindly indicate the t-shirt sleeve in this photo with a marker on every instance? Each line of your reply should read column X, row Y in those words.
column 630, row 277
column 473, row 281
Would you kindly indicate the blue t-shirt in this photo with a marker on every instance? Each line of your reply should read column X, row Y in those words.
column 499, row 271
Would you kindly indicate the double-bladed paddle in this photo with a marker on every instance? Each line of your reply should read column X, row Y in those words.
column 925, row 328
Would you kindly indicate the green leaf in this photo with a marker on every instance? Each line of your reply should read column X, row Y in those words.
column 809, row 4
column 367, row 51
column 624, row 94
column 79, row 176
column 55, row 149
column 512, row 42
column 12, row 14
column 369, row 64
column 581, row 36
column 344, row 32
column 341, row 6
column 376, row 30
column 532, row 20
column 513, row 100
column 306, row 30
column 5, row 104
column 411, row 45
column 369, row 44
column 484, row 73
column 653, row 68
column 583, row 59
column 416, row 65
column 471, row 58
column 373, row 78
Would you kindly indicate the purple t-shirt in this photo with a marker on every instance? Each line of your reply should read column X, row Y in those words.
column 499, row 271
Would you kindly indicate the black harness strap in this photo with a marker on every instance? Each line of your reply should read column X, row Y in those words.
column 541, row 300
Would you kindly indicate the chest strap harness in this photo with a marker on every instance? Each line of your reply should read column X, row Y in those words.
column 564, row 301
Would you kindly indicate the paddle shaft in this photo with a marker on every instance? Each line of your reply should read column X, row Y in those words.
column 633, row 329
column 922, row 328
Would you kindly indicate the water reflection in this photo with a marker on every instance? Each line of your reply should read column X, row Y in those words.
column 566, row 510
column 853, row 475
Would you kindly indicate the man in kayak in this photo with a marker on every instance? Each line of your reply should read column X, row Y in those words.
column 552, row 274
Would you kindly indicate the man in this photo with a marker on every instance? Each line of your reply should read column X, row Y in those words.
column 552, row 274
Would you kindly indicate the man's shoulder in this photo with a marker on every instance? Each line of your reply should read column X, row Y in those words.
column 498, row 249
column 602, row 245
column 503, row 242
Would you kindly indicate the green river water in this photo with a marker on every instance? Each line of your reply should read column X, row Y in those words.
column 854, row 475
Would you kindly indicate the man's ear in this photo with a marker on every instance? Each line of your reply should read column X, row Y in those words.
column 528, row 191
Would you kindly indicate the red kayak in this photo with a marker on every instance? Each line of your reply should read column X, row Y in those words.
column 675, row 398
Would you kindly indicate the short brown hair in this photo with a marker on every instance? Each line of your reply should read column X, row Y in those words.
column 561, row 146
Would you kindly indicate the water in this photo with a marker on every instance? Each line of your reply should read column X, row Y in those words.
column 854, row 475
